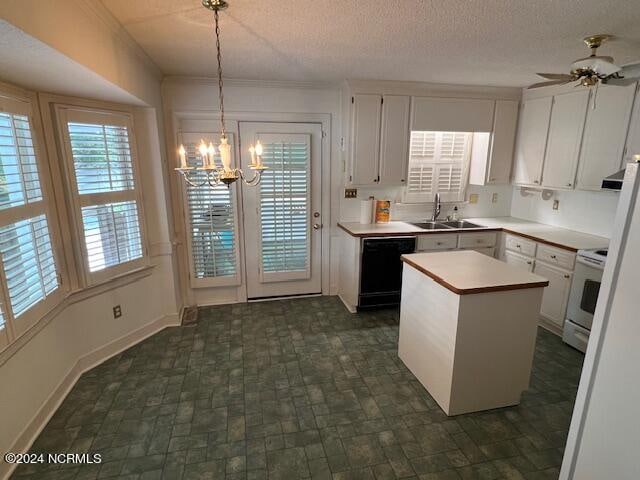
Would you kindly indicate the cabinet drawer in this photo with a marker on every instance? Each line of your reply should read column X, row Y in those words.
column 477, row 240
column 437, row 242
column 556, row 256
column 520, row 245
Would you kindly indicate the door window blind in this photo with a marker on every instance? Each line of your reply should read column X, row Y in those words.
column 27, row 263
column 438, row 163
column 284, row 207
column 100, row 154
column 211, row 224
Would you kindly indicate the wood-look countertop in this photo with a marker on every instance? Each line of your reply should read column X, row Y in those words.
column 468, row 272
column 549, row 234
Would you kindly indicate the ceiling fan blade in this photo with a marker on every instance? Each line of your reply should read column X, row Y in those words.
column 555, row 76
column 552, row 82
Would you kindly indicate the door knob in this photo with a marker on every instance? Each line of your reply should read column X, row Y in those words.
column 316, row 214
column 317, row 226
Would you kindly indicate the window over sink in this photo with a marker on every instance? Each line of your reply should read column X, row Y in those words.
column 438, row 163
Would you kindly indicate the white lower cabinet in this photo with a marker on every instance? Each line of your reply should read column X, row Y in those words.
column 554, row 264
column 519, row 261
column 556, row 295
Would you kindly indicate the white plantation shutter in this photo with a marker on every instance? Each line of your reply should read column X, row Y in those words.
column 211, row 220
column 27, row 260
column 112, row 234
column 28, row 274
column 19, row 182
column 284, row 208
column 438, row 163
column 100, row 155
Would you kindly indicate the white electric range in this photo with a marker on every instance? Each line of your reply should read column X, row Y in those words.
column 583, row 297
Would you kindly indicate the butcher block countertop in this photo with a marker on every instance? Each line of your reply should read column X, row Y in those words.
column 540, row 232
column 468, row 272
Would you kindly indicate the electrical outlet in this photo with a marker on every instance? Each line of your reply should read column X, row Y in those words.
column 473, row 198
column 117, row 311
column 350, row 193
column 556, row 204
column 494, row 198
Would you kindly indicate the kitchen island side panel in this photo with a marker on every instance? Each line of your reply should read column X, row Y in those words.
column 428, row 324
column 495, row 344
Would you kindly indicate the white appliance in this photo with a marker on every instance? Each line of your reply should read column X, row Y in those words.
column 585, row 288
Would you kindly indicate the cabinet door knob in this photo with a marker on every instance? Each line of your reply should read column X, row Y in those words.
column 567, row 276
column 518, row 246
column 569, row 184
column 536, row 181
column 529, row 262
column 554, row 257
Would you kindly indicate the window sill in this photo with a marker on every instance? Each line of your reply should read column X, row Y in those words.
column 69, row 299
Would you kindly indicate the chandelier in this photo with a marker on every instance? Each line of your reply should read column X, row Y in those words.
column 214, row 174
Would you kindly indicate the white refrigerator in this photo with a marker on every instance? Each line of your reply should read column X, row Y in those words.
column 604, row 438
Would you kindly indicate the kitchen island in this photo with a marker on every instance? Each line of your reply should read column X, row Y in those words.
column 468, row 326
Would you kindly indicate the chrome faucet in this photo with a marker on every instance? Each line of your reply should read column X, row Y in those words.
column 436, row 208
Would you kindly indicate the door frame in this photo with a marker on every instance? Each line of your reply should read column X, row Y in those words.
column 306, row 126
column 175, row 119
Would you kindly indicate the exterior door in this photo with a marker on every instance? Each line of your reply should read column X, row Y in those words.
column 282, row 216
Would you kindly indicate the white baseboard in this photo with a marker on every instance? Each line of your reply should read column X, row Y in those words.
column 348, row 306
column 82, row 365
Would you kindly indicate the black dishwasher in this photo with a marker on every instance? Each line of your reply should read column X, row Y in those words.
column 381, row 270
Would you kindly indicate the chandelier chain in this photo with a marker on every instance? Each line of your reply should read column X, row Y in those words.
column 219, row 57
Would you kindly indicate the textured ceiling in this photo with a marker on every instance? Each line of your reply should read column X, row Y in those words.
column 483, row 42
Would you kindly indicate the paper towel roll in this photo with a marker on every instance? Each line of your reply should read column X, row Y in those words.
column 366, row 211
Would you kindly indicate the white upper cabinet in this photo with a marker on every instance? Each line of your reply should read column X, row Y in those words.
column 605, row 133
column 394, row 139
column 532, row 140
column 365, row 139
column 563, row 142
column 633, row 140
column 379, row 139
column 503, row 141
column 492, row 154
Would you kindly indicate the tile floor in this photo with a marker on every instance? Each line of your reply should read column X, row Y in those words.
column 298, row 389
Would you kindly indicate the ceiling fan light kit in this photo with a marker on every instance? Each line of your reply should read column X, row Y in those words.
column 589, row 71
column 215, row 174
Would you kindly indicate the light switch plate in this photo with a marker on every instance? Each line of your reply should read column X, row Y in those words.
column 117, row 311
column 350, row 193
column 494, row 198
column 556, row 204
column 473, row 198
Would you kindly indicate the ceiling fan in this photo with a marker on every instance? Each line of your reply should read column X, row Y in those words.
column 588, row 71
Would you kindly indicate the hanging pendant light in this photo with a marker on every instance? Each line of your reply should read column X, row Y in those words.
column 216, row 174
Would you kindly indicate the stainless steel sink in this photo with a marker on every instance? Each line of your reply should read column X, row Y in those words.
column 432, row 225
column 461, row 224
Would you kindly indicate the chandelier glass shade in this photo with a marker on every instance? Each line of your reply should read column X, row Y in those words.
column 214, row 173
